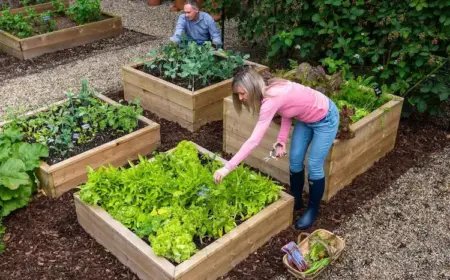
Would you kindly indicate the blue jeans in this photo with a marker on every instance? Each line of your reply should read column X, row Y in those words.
column 320, row 135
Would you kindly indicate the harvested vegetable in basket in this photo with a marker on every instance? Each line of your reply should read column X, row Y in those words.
column 317, row 257
column 319, row 253
column 316, row 266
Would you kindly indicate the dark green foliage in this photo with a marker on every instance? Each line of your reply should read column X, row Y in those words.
column 85, row 11
column 403, row 44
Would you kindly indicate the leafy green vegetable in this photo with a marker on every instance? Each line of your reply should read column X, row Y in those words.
column 318, row 251
column 31, row 22
column 12, row 174
column 173, row 199
column 17, row 162
column 85, row 11
column 318, row 254
column 317, row 265
column 359, row 94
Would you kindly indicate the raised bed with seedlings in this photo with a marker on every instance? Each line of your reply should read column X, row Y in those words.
column 87, row 129
column 165, row 218
column 20, row 6
column 368, row 128
column 35, row 32
column 185, row 85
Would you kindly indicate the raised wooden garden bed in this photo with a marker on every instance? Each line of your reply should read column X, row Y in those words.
column 375, row 136
column 211, row 262
column 39, row 8
column 61, row 39
column 191, row 109
column 60, row 177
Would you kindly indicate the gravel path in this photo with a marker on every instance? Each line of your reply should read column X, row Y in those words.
column 403, row 233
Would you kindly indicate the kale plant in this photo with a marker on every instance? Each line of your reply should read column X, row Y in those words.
column 198, row 65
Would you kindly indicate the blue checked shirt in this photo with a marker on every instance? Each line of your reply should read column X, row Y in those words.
column 204, row 29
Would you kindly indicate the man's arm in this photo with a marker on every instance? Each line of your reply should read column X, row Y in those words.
column 214, row 32
column 179, row 29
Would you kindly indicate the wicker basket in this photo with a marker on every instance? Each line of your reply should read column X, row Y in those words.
column 303, row 244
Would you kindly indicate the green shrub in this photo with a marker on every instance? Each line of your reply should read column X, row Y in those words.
column 403, row 43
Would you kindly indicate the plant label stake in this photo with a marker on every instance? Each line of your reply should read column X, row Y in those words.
column 377, row 91
column 75, row 136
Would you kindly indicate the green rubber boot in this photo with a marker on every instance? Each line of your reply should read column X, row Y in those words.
column 316, row 189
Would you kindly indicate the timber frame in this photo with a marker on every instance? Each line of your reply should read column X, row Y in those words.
column 211, row 262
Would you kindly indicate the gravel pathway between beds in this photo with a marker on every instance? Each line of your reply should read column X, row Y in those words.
column 403, row 233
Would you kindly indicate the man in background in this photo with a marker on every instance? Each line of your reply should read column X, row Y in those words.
column 197, row 25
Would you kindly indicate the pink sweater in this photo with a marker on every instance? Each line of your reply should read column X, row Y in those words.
column 289, row 100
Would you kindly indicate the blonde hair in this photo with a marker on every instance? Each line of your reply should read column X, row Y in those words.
column 255, row 85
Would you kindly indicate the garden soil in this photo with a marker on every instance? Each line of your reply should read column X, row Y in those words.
column 45, row 241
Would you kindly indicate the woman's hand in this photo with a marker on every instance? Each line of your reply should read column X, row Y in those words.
column 280, row 149
column 220, row 174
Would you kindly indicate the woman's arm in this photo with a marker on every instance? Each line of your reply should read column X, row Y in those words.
column 267, row 112
column 284, row 129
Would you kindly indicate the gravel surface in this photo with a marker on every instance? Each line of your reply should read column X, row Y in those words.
column 137, row 15
column 404, row 233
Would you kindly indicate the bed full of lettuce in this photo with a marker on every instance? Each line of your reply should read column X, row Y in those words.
column 172, row 199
